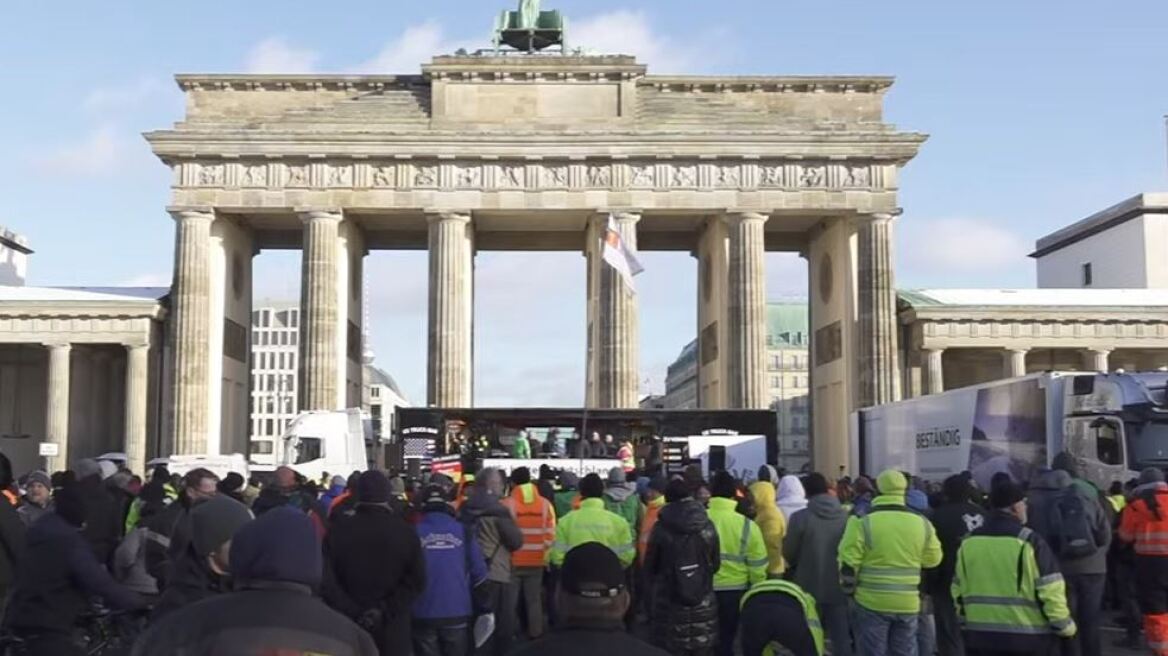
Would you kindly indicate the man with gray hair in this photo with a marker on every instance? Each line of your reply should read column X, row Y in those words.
column 498, row 535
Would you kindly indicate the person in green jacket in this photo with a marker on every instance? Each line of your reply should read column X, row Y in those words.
column 522, row 447
column 881, row 557
column 566, row 495
column 1007, row 587
column 743, row 557
column 592, row 523
column 621, row 497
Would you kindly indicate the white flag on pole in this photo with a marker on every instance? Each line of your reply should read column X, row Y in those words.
column 619, row 255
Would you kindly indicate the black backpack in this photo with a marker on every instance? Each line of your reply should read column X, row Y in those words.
column 1071, row 531
column 690, row 577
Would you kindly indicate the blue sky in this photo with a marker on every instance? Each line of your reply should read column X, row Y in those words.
column 1039, row 112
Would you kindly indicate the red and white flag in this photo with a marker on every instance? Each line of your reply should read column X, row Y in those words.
column 619, row 255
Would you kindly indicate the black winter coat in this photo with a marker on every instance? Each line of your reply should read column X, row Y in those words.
column 12, row 541
column 373, row 561
column 56, row 578
column 263, row 618
column 104, row 519
column 678, row 628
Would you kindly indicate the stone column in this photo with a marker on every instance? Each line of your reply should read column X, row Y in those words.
column 1097, row 360
column 57, row 412
column 450, row 383
column 617, row 327
column 319, row 359
column 746, row 306
column 191, row 299
column 934, row 371
column 137, row 376
column 1014, row 361
column 878, row 367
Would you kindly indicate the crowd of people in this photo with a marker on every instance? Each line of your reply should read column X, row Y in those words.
column 635, row 562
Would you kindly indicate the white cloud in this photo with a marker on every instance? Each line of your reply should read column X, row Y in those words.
column 129, row 97
column 275, row 55
column 101, row 152
column 629, row 32
column 952, row 250
column 415, row 46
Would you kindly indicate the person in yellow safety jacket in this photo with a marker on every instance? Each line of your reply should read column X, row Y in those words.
column 1116, row 497
column 592, row 523
column 537, row 522
column 881, row 556
column 1006, row 586
column 778, row 613
column 772, row 524
column 743, row 555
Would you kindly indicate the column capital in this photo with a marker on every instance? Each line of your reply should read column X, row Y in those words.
column 1103, row 350
column 58, row 346
column 1013, row 350
column 463, row 216
column 932, row 349
column 320, row 214
column 746, row 215
column 191, row 212
column 136, row 345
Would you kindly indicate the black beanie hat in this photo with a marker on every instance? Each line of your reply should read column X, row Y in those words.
column 1005, row 493
column 723, row 485
column 591, row 487
column 69, row 504
column 373, row 487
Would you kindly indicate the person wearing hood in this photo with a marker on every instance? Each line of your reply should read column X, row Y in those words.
column 374, row 567
column 684, row 619
column 565, row 497
column 38, row 498
column 103, row 517
column 336, row 488
column 772, row 523
column 809, row 548
column 881, row 556
column 791, row 497
column 232, row 485
column 1144, row 523
column 58, row 575
column 454, row 566
column 203, row 562
column 865, row 491
column 498, row 536
column 954, row 520
column 1081, row 547
column 620, row 497
column 276, row 563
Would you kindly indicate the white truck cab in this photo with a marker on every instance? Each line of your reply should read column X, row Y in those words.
column 327, row 441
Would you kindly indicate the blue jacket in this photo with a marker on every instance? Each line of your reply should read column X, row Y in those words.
column 448, row 587
column 328, row 497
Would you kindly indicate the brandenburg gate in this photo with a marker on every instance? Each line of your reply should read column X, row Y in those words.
column 533, row 152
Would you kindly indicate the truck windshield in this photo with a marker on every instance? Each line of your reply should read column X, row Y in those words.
column 1147, row 444
column 306, row 449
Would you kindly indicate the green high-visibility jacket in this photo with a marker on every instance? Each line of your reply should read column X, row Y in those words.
column 592, row 523
column 744, row 554
column 882, row 554
column 562, row 500
column 1007, row 587
column 789, row 588
column 521, row 449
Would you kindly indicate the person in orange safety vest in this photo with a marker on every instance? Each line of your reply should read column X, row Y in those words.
column 654, row 501
column 1145, row 522
column 537, row 521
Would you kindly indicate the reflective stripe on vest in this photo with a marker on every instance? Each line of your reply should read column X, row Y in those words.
column 792, row 589
column 536, row 522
